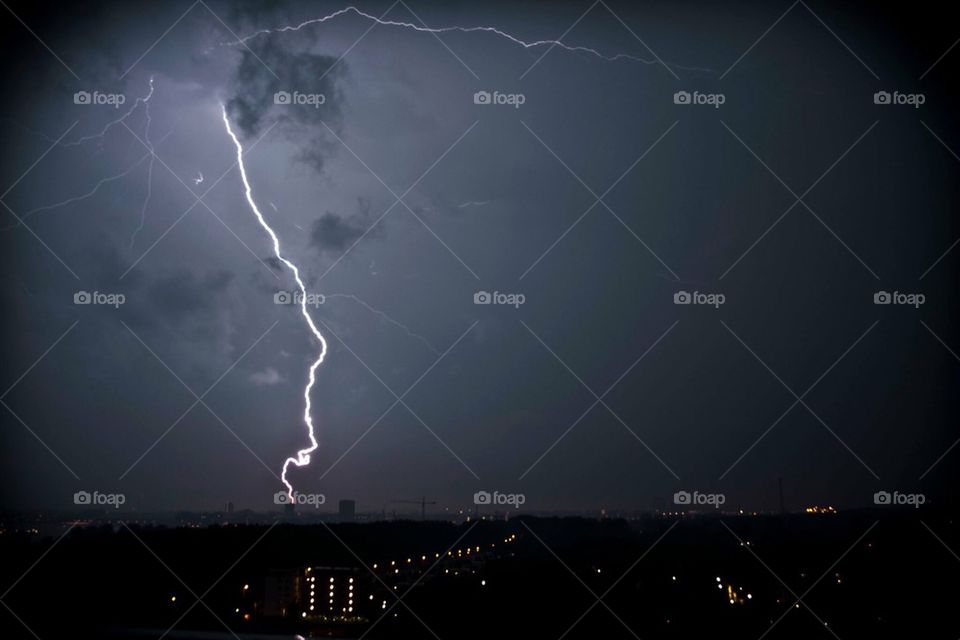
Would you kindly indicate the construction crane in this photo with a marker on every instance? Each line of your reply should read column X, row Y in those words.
column 423, row 502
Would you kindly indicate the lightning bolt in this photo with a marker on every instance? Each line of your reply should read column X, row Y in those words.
column 103, row 132
column 146, row 200
column 385, row 317
column 303, row 456
column 460, row 29
column 145, row 101
column 89, row 194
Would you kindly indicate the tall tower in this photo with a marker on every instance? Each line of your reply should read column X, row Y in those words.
column 347, row 510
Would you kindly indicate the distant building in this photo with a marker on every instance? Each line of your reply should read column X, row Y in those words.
column 339, row 594
column 230, row 508
column 323, row 594
column 348, row 510
column 281, row 593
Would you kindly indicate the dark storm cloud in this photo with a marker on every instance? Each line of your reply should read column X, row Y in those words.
column 189, row 307
column 274, row 263
column 184, row 293
column 333, row 232
column 297, row 89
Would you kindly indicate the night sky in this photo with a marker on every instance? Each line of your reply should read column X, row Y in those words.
column 597, row 199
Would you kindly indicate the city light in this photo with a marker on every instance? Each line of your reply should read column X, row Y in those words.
column 819, row 509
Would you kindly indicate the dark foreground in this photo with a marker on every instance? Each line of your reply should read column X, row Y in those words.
column 850, row 575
